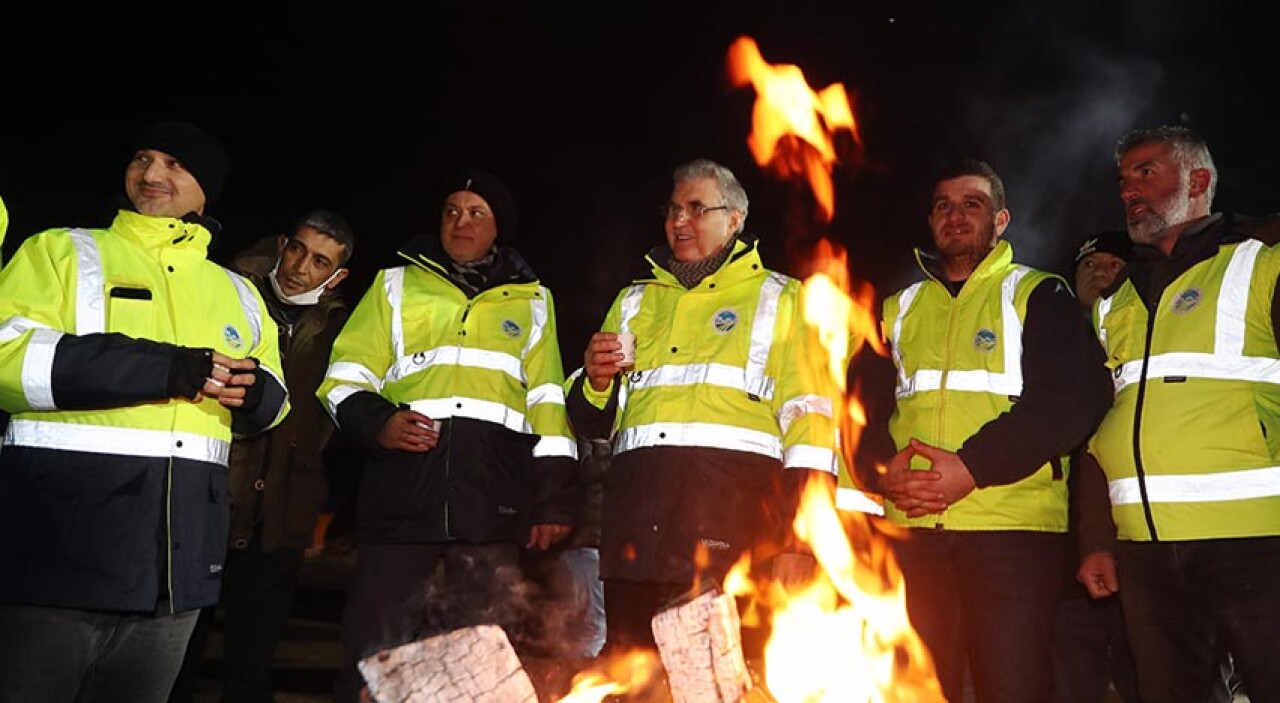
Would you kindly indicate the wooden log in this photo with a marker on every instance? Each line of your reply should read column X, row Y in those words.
column 701, row 648
column 470, row 664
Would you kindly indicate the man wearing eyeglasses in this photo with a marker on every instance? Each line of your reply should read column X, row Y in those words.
column 716, row 425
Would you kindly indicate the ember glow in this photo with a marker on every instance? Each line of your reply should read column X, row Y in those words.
column 845, row 636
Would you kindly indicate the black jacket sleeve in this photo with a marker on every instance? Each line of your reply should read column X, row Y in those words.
column 560, row 493
column 262, row 403
column 1091, row 507
column 588, row 421
column 1065, row 392
column 362, row 416
column 873, row 379
column 111, row 370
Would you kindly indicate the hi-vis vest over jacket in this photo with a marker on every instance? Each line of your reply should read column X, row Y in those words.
column 112, row 495
column 489, row 367
column 1191, row 447
column 959, row 366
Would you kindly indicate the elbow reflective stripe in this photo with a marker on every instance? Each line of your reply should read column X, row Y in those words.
column 338, row 394
column 538, row 312
column 284, row 406
column 37, row 369
column 630, row 306
column 850, row 499
column 474, row 408
column 795, row 408
column 393, row 285
column 692, row 374
column 1104, row 307
column 1008, row 383
column 698, row 434
column 555, row 446
column 906, row 386
column 17, row 326
column 1202, row 488
column 456, row 356
column 248, row 303
column 546, row 393
column 91, row 305
column 356, row 373
column 120, row 441
column 808, row 456
column 1198, row 365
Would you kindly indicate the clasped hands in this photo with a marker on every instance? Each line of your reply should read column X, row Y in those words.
column 229, row 380
column 920, row 492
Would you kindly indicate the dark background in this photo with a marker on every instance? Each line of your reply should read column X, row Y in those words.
column 584, row 109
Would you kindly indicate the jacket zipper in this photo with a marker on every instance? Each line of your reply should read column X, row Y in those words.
column 1137, row 424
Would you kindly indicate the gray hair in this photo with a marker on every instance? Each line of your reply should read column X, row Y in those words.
column 1189, row 150
column 734, row 195
column 332, row 225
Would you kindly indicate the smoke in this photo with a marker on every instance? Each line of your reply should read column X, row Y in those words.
column 1054, row 146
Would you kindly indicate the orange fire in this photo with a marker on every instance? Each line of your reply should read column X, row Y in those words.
column 846, row 635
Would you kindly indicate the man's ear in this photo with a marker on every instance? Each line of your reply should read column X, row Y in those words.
column 1200, row 178
column 281, row 241
column 1002, row 221
column 337, row 278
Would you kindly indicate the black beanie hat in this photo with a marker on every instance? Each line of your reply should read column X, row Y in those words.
column 198, row 151
column 487, row 186
column 1115, row 242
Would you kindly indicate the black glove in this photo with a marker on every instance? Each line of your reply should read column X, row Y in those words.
column 253, row 394
column 188, row 370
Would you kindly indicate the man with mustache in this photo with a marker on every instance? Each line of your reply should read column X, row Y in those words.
column 1191, row 447
column 997, row 379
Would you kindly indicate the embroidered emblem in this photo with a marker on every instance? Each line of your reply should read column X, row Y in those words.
column 232, row 337
column 724, row 320
column 1186, row 301
column 419, row 358
column 984, row 340
column 510, row 328
column 713, row 544
column 635, row 376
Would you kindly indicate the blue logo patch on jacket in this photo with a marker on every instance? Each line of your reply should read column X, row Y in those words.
column 232, row 337
column 724, row 320
column 510, row 328
column 1186, row 301
column 984, row 340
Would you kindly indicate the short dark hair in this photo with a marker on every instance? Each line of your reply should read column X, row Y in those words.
column 332, row 225
column 974, row 167
column 1189, row 149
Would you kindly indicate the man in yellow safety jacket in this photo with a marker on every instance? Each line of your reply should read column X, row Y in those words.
column 1191, row 448
column 449, row 373
column 717, row 422
column 997, row 378
column 128, row 362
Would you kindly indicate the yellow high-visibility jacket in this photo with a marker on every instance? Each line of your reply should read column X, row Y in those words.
column 1191, row 447
column 113, row 496
column 488, row 367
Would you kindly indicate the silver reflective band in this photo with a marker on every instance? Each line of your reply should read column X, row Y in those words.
column 406, row 366
column 807, row 456
column 1008, row 383
column 546, row 393
column 91, row 306
column 37, row 368
column 474, row 408
column 248, row 303
column 1203, row 488
column 555, row 446
column 852, row 500
column 796, row 408
column 336, row 396
column 393, row 286
column 698, row 434
column 713, row 374
column 119, row 441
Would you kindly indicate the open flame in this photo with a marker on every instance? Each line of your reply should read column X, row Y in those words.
column 845, row 636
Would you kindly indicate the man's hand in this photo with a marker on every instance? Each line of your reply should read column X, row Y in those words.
column 913, row 491
column 409, row 431
column 545, row 535
column 602, row 360
column 1097, row 573
column 956, row 481
column 230, row 380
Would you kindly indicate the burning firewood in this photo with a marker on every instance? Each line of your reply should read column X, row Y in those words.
column 471, row 664
column 701, row 649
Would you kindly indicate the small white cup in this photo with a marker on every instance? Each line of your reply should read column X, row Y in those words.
column 628, row 342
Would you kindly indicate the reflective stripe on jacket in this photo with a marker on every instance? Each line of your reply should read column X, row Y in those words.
column 100, row 467
column 489, row 367
column 959, row 366
column 1204, row 461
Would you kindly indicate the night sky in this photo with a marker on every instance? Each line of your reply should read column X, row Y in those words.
column 584, row 110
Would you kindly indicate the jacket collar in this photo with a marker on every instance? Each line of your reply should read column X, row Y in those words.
column 428, row 253
column 743, row 263
column 162, row 233
column 996, row 262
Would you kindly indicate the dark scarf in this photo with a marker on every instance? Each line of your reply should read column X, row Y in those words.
column 473, row 275
column 691, row 273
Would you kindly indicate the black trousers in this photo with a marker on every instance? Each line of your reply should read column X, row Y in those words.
column 256, row 601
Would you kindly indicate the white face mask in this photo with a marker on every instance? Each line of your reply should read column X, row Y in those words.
column 310, row 297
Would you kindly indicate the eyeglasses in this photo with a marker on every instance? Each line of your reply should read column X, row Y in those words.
column 671, row 211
